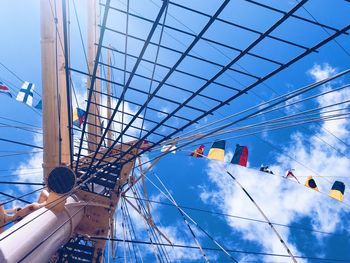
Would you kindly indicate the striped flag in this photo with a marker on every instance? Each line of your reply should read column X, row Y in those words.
column 4, row 89
column 217, row 151
column 240, row 156
column 78, row 117
column 25, row 94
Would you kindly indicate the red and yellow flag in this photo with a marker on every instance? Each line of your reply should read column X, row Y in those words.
column 199, row 152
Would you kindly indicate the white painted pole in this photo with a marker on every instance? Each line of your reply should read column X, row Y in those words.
column 53, row 229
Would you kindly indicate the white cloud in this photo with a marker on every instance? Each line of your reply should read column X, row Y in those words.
column 27, row 170
column 295, row 108
column 292, row 107
column 321, row 72
column 178, row 234
column 285, row 201
column 163, row 113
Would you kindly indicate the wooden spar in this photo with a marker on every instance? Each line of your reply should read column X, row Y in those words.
column 40, row 234
column 94, row 112
column 62, row 89
column 109, row 108
column 49, row 91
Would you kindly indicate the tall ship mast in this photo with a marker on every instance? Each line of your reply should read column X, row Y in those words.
column 132, row 89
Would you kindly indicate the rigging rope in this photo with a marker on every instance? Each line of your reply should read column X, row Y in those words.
column 127, row 227
column 277, row 121
column 280, row 97
column 195, row 223
column 19, row 197
column 150, row 230
column 138, row 191
column 241, row 217
column 133, row 232
column 230, row 250
column 185, row 220
column 21, row 143
column 20, row 122
column 264, row 215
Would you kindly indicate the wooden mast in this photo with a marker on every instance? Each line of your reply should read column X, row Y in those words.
column 62, row 88
column 49, row 91
column 94, row 126
column 54, row 90
column 109, row 107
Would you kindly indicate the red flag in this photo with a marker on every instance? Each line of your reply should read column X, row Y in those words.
column 290, row 174
column 5, row 89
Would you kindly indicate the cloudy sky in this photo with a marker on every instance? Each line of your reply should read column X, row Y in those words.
column 218, row 213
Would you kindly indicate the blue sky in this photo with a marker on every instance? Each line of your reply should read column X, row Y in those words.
column 201, row 183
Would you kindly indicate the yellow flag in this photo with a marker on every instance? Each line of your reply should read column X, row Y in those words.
column 310, row 182
column 337, row 191
column 217, row 151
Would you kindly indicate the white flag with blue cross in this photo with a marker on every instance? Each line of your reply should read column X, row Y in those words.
column 25, row 94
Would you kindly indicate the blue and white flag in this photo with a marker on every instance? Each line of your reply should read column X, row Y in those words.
column 25, row 94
